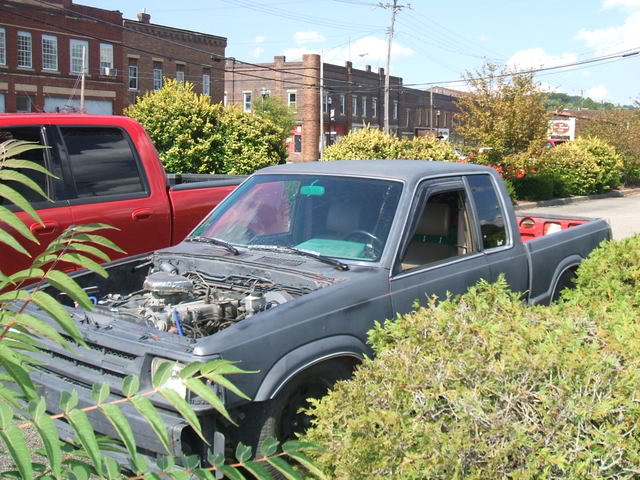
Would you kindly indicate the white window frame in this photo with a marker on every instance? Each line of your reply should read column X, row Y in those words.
column 76, row 56
column 354, row 105
column 247, row 106
column 157, row 78
column 206, row 84
column 134, row 69
column 3, row 46
column 374, row 107
column 179, row 75
column 50, row 53
column 407, row 118
column 325, row 104
column 342, row 104
column 419, row 117
column 106, row 57
column 364, row 106
column 25, row 49
column 395, row 109
column 224, row 99
column 294, row 103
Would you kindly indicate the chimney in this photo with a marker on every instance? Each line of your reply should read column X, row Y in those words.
column 144, row 17
column 367, row 68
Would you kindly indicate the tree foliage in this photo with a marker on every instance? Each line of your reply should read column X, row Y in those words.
column 277, row 112
column 24, row 336
column 371, row 143
column 194, row 136
column 485, row 387
column 621, row 129
column 504, row 112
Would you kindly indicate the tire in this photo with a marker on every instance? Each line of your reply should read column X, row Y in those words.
column 566, row 280
column 280, row 417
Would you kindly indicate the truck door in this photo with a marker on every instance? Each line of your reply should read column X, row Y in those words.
column 55, row 214
column 505, row 253
column 440, row 252
column 111, row 187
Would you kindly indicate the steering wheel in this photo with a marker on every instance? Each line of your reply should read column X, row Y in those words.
column 374, row 243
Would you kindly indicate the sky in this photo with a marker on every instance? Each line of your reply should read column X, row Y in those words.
column 435, row 42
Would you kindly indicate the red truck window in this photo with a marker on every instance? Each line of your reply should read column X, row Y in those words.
column 29, row 134
column 102, row 161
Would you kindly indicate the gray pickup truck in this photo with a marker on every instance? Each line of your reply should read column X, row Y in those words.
column 288, row 274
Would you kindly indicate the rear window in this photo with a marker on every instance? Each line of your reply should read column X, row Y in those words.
column 102, row 161
column 29, row 134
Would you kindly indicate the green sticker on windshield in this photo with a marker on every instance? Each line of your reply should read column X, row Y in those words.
column 312, row 189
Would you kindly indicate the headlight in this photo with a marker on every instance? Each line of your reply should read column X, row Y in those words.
column 174, row 382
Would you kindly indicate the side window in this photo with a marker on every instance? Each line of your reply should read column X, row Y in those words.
column 29, row 134
column 442, row 231
column 490, row 213
column 102, row 161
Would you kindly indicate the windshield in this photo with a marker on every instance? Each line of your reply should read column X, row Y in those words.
column 340, row 217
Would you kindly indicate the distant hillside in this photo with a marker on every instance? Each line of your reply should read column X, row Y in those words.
column 558, row 101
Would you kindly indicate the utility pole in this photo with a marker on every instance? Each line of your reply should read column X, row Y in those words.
column 322, row 137
column 395, row 8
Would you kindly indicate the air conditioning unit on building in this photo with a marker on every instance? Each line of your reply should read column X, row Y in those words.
column 108, row 71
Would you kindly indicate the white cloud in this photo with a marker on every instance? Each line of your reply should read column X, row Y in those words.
column 613, row 39
column 302, row 38
column 257, row 52
column 364, row 51
column 537, row 58
column 628, row 4
column 598, row 93
column 547, row 87
column 259, row 39
column 483, row 37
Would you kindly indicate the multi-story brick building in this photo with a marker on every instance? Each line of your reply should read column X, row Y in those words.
column 43, row 47
column 351, row 99
column 152, row 52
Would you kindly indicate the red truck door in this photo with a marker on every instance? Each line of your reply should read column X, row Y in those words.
column 56, row 215
column 111, row 187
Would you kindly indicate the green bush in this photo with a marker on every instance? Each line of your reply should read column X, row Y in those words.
column 369, row 143
column 194, row 136
column 535, row 186
column 585, row 166
column 487, row 388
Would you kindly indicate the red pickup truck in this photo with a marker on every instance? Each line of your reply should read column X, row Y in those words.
column 107, row 171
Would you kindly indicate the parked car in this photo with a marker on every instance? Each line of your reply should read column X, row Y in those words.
column 287, row 275
column 107, row 171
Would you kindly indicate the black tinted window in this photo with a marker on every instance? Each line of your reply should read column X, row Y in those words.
column 490, row 214
column 29, row 134
column 102, row 161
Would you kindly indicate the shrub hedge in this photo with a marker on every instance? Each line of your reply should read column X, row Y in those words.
column 369, row 143
column 584, row 166
column 485, row 387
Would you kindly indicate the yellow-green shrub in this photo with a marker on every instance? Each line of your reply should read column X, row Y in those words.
column 585, row 166
column 487, row 388
column 369, row 144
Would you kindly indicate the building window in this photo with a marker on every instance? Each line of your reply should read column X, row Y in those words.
column 133, row 77
column 224, row 99
column 206, row 84
column 374, row 107
column 3, row 46
column 24, row 50
column 106, row 59
column 364, row 106
column 354, row 105
column 291, row 98
column 407, row 118
column 76, row 48
column 342, row 105
column 180, row 75
column 395, row 109
column 23, row 104
column 49, row 52
column 438, row 119
column 419, row 117
column 157, row 77
column 325, row 104
column 246, row 102
column 445, row 120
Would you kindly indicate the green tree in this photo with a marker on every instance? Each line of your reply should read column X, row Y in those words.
column 504, row 112
column 194, row 136
column 24, row 335
column 620, row 128
column 277, row 112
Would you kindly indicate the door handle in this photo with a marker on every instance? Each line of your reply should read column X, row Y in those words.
column 141, row 214
column 47, row 228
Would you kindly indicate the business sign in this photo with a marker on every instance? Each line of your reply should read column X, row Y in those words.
column 564, row 129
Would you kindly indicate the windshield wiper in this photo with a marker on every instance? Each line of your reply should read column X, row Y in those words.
column 305, row 253
column 214, row 241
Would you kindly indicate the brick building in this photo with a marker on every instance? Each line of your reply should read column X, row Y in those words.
column 41, row 57
column 352, row 99
column 152, row 52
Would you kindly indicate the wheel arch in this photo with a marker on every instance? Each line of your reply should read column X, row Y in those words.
column 295, row 362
